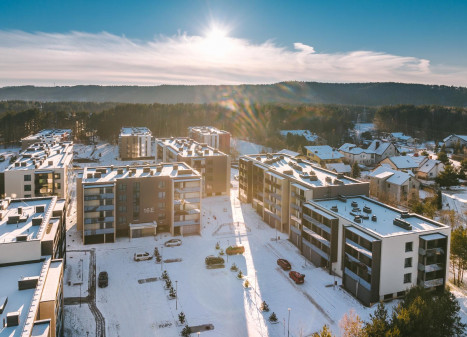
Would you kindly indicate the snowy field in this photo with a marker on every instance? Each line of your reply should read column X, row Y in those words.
column 244, row 147
column 457, row 201
column 7, row 153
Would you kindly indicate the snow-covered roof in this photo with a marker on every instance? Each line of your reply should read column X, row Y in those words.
column 403, row 162
column 401, row 136
column 44, row 156
column 395, row 177
column 378, row 147
column 385, row 215
column 428, row 165
column 301, row 171
column 187, row 147
column 289, row 152
column 309, row 136
column 463, row 137
column 206, row 130
column 351, row 148
column 339, row 167
column 135, row 131
column 25, row 211
column 324, row 152
column 47, row 135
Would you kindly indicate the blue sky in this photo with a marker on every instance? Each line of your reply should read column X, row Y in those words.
column 424, row 31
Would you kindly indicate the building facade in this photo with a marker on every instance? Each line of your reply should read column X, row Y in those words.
column 379, row 251
column 213, row 164
column 117, row 201
column 218, row 139
column 135, row 143
column 43, row 169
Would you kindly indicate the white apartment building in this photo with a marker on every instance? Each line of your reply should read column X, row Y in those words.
column 134, row 143
column 43, row 169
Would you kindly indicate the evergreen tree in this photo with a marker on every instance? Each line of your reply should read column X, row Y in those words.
column 273, row 317
column 324, row 332
column 186, row 331
column 356, row 172
column 448, row 177
column 264, row 306
column 181, row 318
column 379, row 322
column 459, row 253
column 443, row 157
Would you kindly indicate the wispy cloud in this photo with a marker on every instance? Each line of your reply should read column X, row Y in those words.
column 84, row 58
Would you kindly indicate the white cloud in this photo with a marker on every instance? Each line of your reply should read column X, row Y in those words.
column 84, row 58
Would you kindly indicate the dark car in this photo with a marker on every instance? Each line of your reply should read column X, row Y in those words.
column 103, row 279
column 297, row 277
column 284, row 264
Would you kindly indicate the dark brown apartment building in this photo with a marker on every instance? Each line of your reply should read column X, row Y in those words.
column 218, row 139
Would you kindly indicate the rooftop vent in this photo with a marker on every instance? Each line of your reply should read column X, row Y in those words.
column 120, row 171
column 334, row 208
column 354, row 204
column 101, row 170
column 23, row 164
column 20, row 210
column 12, row 318
column 29, row 282
column 50, row 163
column 367, row 209
column 342, row 198
column 17, row 164
column 22, row 237
column 159, row 168
column 288, row 172
column 97, row 175
column 358, row 219
column 146, row 169
column 402, row 223
column 37, row 221
column 405, row 215
column 89, row 175
column 374, row 218
column 328, row 179
column 13, row 219
column 338, row 182
column 340, row 175
column 3, row 302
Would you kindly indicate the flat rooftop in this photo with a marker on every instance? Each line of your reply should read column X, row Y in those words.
column 385, row 215
column 44, row 156
column 27, row 220
column 301, row 171
column 135, row 131
column 49, row 134
column 207, row 130
column 107, row 174
column 187, row 147
column 18, row 300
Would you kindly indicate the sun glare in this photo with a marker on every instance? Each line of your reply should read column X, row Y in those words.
column 216, row 41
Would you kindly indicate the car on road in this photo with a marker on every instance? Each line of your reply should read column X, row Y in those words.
column 173, row 243
column 103, row 279
column 297, row 277
column 212, row 260
column 284, row 264
column 142, row 256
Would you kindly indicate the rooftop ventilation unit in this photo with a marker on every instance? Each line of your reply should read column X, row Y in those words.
column 50, row 163
column 334, row 208
column 146, row 169
column 23, row 164
column 97, row 175
column 402, row 223
column 338, row 182
column 29, row 282
column 358, row 219
column 342, row 198
column 12, row 318
column 37, row 221
column 89, row 175
column 288, row 172
column 22, row 237
column 20, row 210
column 340, row 175
column 159, row 168
column 405, row 215
column 101, row 170
column 367, row 209
column 354, row 204
column 13, row 219
column 374, row 218
column 120, row 171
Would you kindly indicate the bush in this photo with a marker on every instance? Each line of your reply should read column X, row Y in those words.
column 273, row 317
column 186, row 331
column 165, row 276
column 168, row 283
column 172, row 292
column 221, row 252
column 234, row 267
column 246, row 284
column 217, row 245
column 240, row 274
column 264, row 306
column 181, row 318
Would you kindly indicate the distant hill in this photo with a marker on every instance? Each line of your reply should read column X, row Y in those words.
column 371, row 94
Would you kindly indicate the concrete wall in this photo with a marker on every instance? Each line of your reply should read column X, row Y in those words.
column 14, row 252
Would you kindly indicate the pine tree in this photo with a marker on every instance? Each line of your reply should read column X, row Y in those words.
column 356, row 172
column 168, row 283
column 324, row 332
column 264, row 306
column 181, row 318
column 240, row 274
column 165, row 276
column 273, row 317
column 379, row 322
column 234, row 267
column 448, row 177
column 186, row 331
column 246, row 284
column 172, row 292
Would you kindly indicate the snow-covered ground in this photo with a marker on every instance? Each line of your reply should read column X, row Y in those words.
column 244, row 147
column 456, row 200
column 7, row 153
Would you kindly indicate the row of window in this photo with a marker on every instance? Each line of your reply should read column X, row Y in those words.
column 28, row 188
column 28, row 177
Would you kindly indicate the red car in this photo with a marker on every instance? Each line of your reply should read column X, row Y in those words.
column 297, row 277
column 284, row 264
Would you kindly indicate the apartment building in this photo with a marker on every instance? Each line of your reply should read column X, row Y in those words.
column 43, row 169
column 32, row 252
column 379, row 251
column 218, row 139
column 47, row 136
column 138, row 200
column 277, row 186
column 135, row 143
column 213, row 164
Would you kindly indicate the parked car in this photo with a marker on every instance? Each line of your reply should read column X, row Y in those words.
column 232, row 250
column 284, row 264
column 142, row 256
column 211, row 260
column 297, row 277
column 103, row 279
column 173, row 243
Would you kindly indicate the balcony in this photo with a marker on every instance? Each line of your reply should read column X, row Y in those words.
column 187, row 189
column 98, row 208
column 186, row 223
column 432, row 283
column 431, row 251
column 430, row 267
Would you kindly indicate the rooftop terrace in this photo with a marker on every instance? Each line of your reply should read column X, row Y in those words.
column 385, row 223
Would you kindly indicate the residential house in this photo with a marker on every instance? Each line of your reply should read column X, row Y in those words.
column 389, row 184
column 382, row 150
column 339, row 168
column 452, row 140
column 323, row 154
column 402, row 163
column 354, row 154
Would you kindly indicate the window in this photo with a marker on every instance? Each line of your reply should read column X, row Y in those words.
column 161, row 184
column 27, row 177
column 407, row 278
column 122, row 197
column 388, row 297
column 56, row 175
column 122, row 187
column 27, row 195
column 58, row 186
column 161, row 195
column 408, row 262
column 161, row 205
column 27, row 187
column 122, row 208
column 409, row 246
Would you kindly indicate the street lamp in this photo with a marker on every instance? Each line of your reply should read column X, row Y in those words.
column 288, row 325
column 176, row 295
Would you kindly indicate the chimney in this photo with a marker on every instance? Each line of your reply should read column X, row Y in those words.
column 376, row 144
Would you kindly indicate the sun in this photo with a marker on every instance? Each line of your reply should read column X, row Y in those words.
column 216, row 41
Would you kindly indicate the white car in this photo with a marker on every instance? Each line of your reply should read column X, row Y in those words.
column 142, row 256
column 173, row 243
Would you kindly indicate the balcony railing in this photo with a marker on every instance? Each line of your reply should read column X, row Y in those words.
column 430, row 267
column 432, row 283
